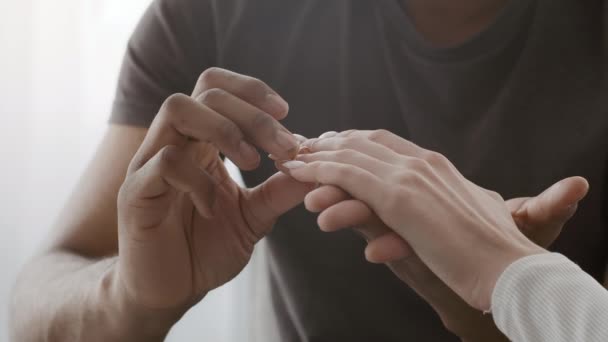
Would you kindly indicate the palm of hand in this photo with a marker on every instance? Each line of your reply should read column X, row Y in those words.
column 221, row 245
column 195, row 252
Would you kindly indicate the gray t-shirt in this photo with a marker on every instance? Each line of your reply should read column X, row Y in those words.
column 516, row 108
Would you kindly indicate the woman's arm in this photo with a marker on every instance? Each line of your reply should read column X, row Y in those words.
column 540, row 218
column 463, row 233
column 547, row 297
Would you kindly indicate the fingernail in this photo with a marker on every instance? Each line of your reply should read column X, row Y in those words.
column 294, row 164
column 287, row 142
column 273, row 157
column 247, row 151
column 277, row 103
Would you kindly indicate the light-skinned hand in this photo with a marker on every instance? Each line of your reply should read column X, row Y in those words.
column 421, row 196
column 540, row 218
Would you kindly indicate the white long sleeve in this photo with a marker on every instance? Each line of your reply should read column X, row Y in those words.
column 548, row 298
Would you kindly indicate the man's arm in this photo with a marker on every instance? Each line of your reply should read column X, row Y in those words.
column 67, row 289
column 136, row 193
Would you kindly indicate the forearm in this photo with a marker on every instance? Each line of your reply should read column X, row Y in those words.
column 65, row 297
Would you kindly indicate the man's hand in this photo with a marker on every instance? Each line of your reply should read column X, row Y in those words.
column 185, row 227
column 540, row 218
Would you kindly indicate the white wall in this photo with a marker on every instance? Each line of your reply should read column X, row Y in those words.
column 59, row 62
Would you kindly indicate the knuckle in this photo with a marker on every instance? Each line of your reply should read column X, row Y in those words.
column 262, row 122
column 346, row 143
column 345, row 154
column 209, row 77
column 137, row 162
column 212, row 97
column 255, row 88
column 168, row 157
column 174, row 104
column 349, row 133
column 436, row 159
column 496, row 196
column 378, row 135
column 228, row 131
column 315, row 165
column 418, row 165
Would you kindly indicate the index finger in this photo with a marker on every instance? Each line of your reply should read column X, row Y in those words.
column 356, row 139
column 359, row 183
column 247, row 88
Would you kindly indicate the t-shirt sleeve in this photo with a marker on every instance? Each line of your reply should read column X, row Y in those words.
column 172, row 44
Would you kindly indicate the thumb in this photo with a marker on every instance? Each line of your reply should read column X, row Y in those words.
column 271, row 199
column 542, row 217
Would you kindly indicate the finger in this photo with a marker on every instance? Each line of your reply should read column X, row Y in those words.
column 182, row 119
column 259, row 127
column 273, row 198
column 356, row 214
column 389, row 140
column 358, row 182
column 555, row 205
column 541, row 218
column 170, row 170
column 404, row 147
column 300, row 139
column 351, row 214
column 351, row 157
column 389, row 247
column 365, row 146
column 558, row 201
column 324, row 197
column 249, row 89
column 328, row 134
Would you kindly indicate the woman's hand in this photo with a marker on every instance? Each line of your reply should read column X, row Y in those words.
column 540, row 218
column 422, row 197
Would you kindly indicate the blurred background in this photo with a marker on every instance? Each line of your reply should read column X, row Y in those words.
column 59, row 62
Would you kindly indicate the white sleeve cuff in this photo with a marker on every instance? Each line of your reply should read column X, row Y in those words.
column 546, row 297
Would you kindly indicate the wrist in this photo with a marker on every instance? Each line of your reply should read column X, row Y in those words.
column 130, row 321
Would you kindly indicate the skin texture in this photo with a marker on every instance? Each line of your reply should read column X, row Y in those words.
column 178, row 206
column 406, row 186
column 80, row 287
column 133, row 254
column 540, row 218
